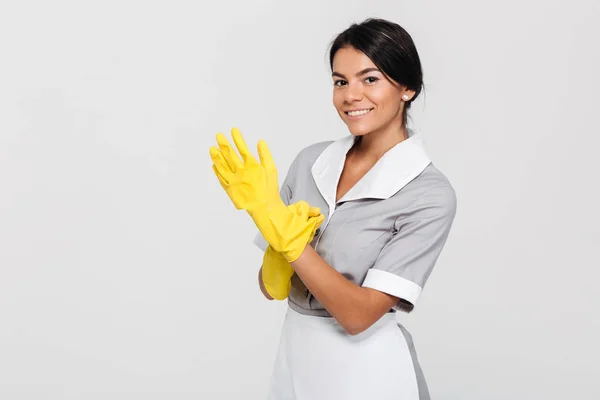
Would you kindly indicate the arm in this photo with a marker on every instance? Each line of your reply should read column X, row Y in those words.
column 276, row 272
column 400, row 270
column 355, row 308
column 259, row 241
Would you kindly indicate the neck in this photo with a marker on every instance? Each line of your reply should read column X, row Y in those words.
column 376, row 144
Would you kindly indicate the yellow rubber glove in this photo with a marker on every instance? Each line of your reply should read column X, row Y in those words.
column 276, row 270
column 245, row 180
column 254, row 187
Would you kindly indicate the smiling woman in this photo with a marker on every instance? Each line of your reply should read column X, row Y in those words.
column 367, row 100
column 385, row 213
column 375, row 67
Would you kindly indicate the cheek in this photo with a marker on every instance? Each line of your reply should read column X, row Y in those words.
column 386, row 98
column 338, row 100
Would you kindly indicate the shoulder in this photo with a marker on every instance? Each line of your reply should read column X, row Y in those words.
column 432, row 189
column 309, row 154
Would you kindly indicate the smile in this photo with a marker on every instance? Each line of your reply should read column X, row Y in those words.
column 358, row 113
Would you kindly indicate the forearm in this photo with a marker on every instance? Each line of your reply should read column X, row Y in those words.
column 262, row 285
column 354, row 307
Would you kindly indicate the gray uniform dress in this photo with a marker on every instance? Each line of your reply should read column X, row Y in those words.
column 385, row 233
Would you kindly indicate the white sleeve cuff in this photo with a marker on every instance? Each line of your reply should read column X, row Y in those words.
column 393, row 284
column 260, row 242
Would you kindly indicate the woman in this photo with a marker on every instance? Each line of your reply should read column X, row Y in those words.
column 383, row 214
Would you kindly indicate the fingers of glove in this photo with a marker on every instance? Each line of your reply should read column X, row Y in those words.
column 240, row 144
column 225, row 185
column 302, row 209
column 319, row 220
column 218, row 159
column 266, row 159
column 224, row 182
column 229, row 154
column 314, row 211
column 317, row 223
column 220, row 166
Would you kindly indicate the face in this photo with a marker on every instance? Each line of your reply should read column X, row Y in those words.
column 366, row 99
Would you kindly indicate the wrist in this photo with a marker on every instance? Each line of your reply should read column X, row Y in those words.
column 298, row 257
column 264, row 206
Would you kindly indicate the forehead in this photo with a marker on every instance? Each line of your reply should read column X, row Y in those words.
column 350, row 60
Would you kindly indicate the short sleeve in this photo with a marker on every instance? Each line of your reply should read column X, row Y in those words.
column 286, row 194
column 406, row 261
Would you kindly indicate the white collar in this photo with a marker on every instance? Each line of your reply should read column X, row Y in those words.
column 396, row 168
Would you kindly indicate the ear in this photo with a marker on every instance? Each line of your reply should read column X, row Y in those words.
column 407, row 94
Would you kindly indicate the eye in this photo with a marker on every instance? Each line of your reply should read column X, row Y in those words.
column 371, row 79
column 339, row 82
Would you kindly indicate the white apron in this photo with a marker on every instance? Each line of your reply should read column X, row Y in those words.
column 318, row 360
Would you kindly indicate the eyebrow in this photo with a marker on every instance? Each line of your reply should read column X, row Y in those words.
column 362, row 72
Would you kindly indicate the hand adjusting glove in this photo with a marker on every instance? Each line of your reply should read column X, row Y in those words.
column 276, row 270
column 254, row 187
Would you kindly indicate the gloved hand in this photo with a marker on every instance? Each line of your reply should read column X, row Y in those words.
column 245, row 180
column 276, row 270
column 253, row 186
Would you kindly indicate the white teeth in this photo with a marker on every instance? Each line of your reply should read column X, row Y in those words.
column 357, row 113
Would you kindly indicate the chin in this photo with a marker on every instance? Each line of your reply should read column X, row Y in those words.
column 359, row 130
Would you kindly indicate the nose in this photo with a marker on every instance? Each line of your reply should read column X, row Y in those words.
column 353, row 92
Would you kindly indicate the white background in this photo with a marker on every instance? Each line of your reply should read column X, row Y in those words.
column 126, row 273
